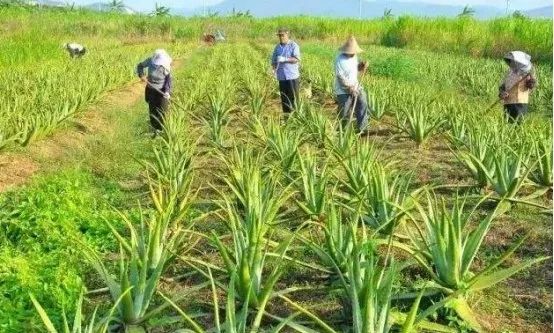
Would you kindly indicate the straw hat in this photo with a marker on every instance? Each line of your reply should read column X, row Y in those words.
column 351, row 46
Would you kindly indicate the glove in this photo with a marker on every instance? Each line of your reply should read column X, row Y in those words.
column 530, row 83
column 281, row 59
column 353, row 90
column 167, row 96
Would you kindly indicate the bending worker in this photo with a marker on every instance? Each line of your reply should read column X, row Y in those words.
column 75, row 50
column 158, row 86
column 515, row 88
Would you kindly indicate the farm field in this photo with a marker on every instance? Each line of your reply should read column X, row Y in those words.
column 237, row 220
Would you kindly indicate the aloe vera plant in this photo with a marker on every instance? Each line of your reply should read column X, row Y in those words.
column 142, row 260
column 388, row 197
column 510, row 171
column 337, row 244
column 541, row 174
column 313, row 122
column 366, row 283
column 368, row 286
column 258, row 95
column 314, row 181
column 249, row 213
column 240, row 319
column 476, row 154
column 447, row 246
column 378, row 108
column 504, row 168
column 218, row 117
column 283, row 145
column 171, row 174
column 458, row 127
column 419, row 122
column 93, row 326
column 343, row 144
column 358, row 169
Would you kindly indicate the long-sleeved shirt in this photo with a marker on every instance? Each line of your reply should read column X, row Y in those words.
column 515, row 84
column 158, row 76
column 286, row 71
column 346, row 74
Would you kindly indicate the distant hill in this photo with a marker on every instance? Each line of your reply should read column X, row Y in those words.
column 350, row 8
column 325, row 8
column 543, row 12
column 343, row 8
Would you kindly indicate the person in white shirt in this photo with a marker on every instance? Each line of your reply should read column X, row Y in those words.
column 351, row 98
column 219, row 36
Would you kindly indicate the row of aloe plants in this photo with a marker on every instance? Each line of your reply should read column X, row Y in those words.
column 36, row 101
column 284, row 191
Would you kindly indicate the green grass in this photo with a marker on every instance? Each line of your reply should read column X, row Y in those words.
column 490, row 38
column 39, row 228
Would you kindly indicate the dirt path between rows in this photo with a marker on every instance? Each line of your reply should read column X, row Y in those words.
column 16, row 168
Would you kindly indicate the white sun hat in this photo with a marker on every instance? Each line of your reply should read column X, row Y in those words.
column 162, row 58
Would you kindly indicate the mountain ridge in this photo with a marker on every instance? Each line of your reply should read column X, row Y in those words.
column 541, row 12
column 346, row 8
column 327, row 8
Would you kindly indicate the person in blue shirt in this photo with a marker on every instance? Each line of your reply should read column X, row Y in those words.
column 284, row 61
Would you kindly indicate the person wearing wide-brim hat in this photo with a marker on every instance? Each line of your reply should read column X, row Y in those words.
column 518, row 82
column 285, row 63
column 351, row 98
column 158, row 86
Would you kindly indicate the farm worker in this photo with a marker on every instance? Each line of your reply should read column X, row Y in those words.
column 515, row 88
column 219, row 36
column 284, row 61
column 351, row 98
column 158, row 86
column 208, row 39
column 75, row 50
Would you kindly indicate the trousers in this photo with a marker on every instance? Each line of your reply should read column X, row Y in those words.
column 360, row 110
column 157, row 107
column 289, row 90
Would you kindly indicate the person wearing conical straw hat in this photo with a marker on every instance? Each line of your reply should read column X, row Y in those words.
column 350, row 96
column 284, row 62
column 515, row 88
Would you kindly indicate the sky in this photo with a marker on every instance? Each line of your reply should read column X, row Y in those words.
column 144, row 5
